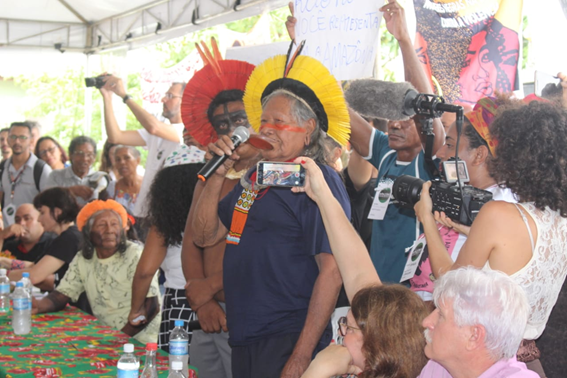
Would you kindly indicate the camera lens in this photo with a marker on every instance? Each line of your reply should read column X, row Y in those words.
column 90, row 81
column 407, row 189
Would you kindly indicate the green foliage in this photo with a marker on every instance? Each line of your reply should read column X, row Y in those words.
column 525, row 43
column 60, row 97
column 389, row 51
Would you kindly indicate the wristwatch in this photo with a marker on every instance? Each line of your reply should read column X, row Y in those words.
column 126, row 98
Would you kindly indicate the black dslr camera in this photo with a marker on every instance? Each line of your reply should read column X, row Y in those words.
column 97, row 82
column 460, row 205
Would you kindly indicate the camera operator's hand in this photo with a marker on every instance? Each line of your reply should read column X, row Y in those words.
column 114, row 84
column 441, row 218
column 424, row 208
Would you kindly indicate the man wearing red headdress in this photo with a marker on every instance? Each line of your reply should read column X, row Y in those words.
column 212, row 106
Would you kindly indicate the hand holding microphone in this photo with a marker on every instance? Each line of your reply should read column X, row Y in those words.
column 222, row 150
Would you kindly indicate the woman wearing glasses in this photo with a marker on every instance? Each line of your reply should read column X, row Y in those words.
column 50, row 151
column 382, row 332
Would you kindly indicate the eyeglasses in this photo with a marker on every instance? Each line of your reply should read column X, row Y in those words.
column 44, row 153
column 169, row 96
column 81, row 154
column 20, row 137
column 344, row 327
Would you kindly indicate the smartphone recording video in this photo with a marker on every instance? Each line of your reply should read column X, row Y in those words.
column 280, row 174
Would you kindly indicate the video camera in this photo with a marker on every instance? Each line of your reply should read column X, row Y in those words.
column 460, row 203
column 97, row 82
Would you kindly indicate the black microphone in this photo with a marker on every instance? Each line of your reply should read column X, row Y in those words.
column 239, row 136
column 426, row 104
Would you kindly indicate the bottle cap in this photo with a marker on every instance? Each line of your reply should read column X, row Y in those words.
column 151, row 346
column 177, row 365
column 179, row 323
column 3, row 272
column 19, row 284
column 26, row 274
column 128, row 348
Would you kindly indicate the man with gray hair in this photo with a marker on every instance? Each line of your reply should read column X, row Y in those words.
column 477, row 327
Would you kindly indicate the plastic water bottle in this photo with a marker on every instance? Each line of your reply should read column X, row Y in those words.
column 150, row 369
column 176, row 370
column 128, row 365
column 27, row 285
column 4, row 292
column 179, row 346
column 21, row 314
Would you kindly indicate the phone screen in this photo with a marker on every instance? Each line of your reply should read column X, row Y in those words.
column 280, row 174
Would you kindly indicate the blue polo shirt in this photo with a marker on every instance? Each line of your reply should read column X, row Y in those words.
column 399, row 228
column 269, row 275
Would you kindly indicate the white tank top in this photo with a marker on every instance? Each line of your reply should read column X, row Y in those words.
column 543, row 275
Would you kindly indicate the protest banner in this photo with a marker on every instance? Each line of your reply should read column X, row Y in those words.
column 342, row 34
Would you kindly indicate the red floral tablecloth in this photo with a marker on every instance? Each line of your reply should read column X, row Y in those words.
column 69, row 343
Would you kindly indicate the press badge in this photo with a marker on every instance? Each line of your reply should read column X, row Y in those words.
column 414, row 257
column 381, row 199
column 10, row 212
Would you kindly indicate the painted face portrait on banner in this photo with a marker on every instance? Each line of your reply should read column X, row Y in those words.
column 470, row 49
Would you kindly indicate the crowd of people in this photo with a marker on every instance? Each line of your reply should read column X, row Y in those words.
column 262, row 268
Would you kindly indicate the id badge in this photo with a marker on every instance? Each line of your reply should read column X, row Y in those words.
column 414, row 257
column 381, row 199
column 10, row 213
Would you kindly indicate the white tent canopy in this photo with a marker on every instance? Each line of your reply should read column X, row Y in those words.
column 103, row 25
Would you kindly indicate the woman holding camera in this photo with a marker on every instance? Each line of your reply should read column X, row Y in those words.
column 525, row 240
column 475, row 150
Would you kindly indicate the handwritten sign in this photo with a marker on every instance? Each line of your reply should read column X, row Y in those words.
column 342, row 34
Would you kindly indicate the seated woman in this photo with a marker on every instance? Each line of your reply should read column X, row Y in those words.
column 383, row 326
column 170, row 198
column 126, row 189
column 49, row 150
column 57, row 212
column 104, row 270
column 527, row 240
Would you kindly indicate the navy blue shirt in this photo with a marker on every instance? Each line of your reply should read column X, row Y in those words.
column 269, row 276
column 399, row 228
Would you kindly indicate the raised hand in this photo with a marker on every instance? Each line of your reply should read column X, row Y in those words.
column 395, row 18
column 291, row 22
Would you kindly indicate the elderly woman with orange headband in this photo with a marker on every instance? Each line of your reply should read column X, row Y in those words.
column 104, row 270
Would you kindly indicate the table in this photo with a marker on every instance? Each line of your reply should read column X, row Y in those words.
column 68, row 343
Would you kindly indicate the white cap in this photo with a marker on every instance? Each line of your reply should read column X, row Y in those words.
column 128, row 348
column 177, row 365
column 3, row 272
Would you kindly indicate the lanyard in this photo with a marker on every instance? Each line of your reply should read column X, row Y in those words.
column 15, row 181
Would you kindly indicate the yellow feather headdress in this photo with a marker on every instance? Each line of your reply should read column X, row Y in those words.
column 308, row 79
